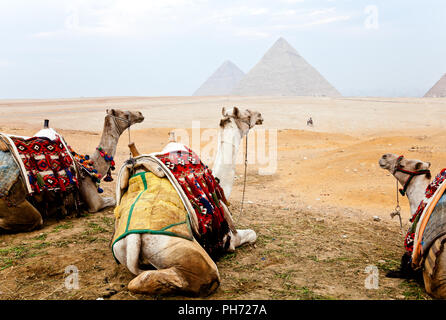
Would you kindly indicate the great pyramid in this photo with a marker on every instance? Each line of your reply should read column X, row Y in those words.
column 222, row 81
column 438, row 90
column 283, row 72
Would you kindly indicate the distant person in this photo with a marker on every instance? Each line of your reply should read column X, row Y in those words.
column 310, row 122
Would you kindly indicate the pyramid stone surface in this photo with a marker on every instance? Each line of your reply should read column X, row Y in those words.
column 283, row 72
column 438, row 90
column 222, row 81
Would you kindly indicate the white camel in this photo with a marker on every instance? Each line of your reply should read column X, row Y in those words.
column 183, row 266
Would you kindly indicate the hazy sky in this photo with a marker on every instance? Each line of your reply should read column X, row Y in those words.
column 69, row 48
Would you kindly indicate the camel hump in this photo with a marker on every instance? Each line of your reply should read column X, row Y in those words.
column 133, row 149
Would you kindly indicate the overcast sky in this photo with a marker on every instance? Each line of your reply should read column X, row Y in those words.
column 79, row 48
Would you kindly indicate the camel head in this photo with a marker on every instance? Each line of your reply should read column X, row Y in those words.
column 244, row 120
column 392, row 162
column 124, row 119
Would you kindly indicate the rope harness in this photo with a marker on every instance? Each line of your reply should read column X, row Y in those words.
column 397, row 211
column 402, row 191
column 244, row 181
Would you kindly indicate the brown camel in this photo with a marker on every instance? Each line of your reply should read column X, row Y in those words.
column 23, row 216
column 406, row 171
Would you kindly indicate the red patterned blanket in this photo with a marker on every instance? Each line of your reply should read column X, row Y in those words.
column 48, row 164
column 204, row 193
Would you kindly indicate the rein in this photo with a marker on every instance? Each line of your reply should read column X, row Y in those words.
column 244, row 182
column 397, row 211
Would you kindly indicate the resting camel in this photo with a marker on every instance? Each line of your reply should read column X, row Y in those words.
column 414, row 186
column 183, row 266
column 25, row 217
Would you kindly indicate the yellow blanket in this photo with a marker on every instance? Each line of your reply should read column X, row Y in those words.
column 151, row 205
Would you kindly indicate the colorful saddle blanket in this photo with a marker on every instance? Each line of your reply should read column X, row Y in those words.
column 151, row 205
column 203, row 192
column 48, row 164
column 429, row 221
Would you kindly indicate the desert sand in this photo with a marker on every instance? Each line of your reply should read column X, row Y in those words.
column 313, row 215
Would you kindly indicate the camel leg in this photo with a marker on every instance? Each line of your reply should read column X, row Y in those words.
column 436, row 286
column 240, row 238
column 21, row 218
column 90, row 195
column 183, row 266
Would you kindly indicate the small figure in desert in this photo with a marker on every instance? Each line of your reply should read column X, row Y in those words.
column 310, row 122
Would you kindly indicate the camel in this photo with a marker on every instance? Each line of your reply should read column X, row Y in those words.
column 181, row 265
column 415, row 188
column 24, row 217
column 233, row 127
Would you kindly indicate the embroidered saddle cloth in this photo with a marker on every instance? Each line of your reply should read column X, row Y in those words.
column 151, row 205
column 203, row 192
column 429, row 221
column 200, row 195
column 44, row 163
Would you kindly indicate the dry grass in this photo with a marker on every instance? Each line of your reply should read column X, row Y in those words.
column 300, row 254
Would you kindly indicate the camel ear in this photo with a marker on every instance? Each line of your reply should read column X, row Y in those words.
column 419, row 165
column 111, row 112
column 223, row 111
column 236, row 112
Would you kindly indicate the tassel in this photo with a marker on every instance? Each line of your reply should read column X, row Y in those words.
column 108, row 178
column 40, row 181
column 70, row 176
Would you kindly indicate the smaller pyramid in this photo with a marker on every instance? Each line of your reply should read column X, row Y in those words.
column 222, row 81
column 438, row 90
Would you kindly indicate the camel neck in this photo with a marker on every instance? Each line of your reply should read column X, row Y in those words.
column 108, row 143
column 229, row 140
column 415, row 191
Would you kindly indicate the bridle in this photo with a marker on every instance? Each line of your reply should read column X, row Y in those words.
column 118, row 127
column 411, row 174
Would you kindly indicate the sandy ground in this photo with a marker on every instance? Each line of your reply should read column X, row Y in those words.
column 313, row 215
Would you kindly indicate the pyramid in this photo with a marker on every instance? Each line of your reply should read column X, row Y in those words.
column 283, row 72
column 222, row 81
column 438, row 90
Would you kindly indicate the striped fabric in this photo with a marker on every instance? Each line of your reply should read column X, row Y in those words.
column 9, row 173
column 430, row 263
